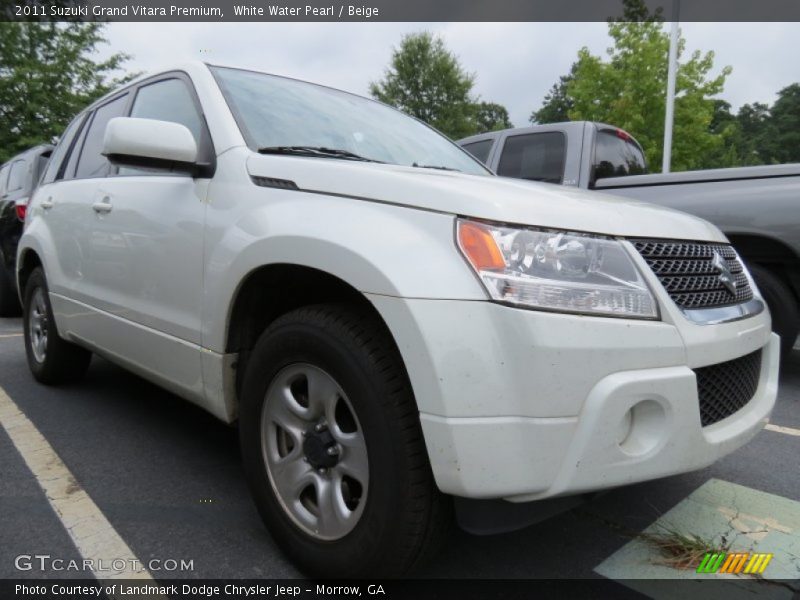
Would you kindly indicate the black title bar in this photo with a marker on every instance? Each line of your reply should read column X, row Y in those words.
column 393, row 10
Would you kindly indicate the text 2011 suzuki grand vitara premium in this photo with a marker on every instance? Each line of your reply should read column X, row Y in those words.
column 391, row 325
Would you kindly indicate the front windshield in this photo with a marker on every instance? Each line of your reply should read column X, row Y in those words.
column 276, row 112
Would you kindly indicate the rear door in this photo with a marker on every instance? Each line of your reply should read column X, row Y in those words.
column 58, row 235
column 64, row 204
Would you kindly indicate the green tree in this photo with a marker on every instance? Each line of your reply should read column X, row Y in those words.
column 557, row 103
column 426, row 81
column 728, row 152
column 490, row 116
column 48, row 73
column 627, row 89
column 784, row 130
column 752, row 144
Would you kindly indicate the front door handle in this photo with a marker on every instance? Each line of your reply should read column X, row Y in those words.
column 47, row 204
column 104, row 206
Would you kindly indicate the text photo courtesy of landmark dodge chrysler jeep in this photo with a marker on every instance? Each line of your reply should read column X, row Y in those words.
column 395, row 330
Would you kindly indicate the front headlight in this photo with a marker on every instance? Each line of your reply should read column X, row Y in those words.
column 556, row 270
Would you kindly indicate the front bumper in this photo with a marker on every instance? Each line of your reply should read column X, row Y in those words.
column 525, row 405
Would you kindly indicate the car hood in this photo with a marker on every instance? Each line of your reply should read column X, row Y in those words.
column 485, row 197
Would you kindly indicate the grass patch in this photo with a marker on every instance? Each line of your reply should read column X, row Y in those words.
column 681, row 550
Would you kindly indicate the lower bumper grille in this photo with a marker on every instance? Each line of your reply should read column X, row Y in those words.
column 727, row 387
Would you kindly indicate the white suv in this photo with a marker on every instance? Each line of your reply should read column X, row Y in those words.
column 392, row 326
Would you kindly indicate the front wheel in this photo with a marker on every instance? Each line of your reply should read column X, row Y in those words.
column 333, row 448
column 51, row 359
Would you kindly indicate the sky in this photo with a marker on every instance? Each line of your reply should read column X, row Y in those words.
column 515, row 63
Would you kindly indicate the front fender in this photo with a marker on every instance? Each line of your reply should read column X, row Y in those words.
column 376, row 248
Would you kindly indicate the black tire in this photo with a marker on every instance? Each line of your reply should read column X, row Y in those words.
column 782, row 306
column 62, row 361
column 9, row 301
column 405, row 518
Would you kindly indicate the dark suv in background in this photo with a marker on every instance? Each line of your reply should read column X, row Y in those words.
column 18, row 178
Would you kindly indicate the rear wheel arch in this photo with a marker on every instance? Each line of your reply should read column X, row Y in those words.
column 28, row 260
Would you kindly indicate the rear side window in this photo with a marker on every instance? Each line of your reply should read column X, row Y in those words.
column 16, row 176
column 534, row 156
column 62, row 150
column 479, row 150
column 617, row 155
column 92, row 163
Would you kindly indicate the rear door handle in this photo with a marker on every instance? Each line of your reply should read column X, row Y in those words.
column 46, row 204
column 104, row 206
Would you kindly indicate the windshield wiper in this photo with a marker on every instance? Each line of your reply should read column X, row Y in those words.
column 315, row 151
column 438, row 167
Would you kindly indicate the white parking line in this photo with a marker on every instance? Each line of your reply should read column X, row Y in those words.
column 780, row 429
column 89, row 529
column 9, row 335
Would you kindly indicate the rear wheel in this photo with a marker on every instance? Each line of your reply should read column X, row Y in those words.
column 333, row 448
column 782, row 306
column 51, row 359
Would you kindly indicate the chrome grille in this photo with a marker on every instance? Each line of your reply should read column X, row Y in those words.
column 690, row 272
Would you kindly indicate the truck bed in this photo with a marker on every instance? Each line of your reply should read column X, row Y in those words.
column 706, row 176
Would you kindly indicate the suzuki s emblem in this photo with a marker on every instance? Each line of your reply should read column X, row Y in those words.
column 725, row 275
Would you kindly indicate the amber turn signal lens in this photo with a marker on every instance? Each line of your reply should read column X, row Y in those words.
column 479, row 246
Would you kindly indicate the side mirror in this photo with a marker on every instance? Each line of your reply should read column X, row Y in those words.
column 150, row 143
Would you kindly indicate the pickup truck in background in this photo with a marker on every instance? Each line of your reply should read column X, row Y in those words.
column 756, row 207
column 18, row 178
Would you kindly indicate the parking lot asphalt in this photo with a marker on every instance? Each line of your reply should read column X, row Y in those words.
column 167, row 477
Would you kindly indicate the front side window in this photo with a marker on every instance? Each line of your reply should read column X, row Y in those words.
column 168, row 100
column 534, row 156
column 617, row 155
column 479, row 150
column 92, row 163
column 276, row 112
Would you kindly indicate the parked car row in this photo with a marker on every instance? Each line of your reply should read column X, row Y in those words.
column 400, row 335
column 18, row 177
column 756, row 207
